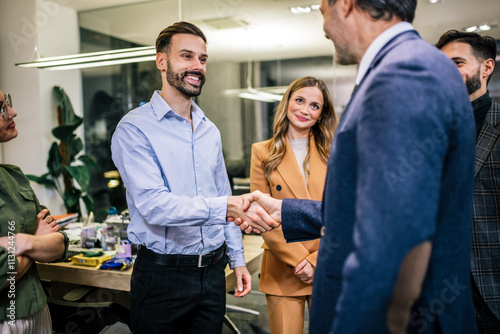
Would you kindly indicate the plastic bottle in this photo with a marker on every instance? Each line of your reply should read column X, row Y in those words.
column 109, row 234
column 104, row 245
column 112, row 212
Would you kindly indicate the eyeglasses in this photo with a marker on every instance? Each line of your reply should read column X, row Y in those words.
column 4, row 109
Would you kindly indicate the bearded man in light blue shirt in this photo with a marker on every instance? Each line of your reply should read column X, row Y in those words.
column 169, row 155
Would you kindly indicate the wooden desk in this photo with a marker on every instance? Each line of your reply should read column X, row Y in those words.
column 69, row 272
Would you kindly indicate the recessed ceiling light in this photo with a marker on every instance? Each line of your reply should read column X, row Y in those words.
column 471, row 29
column 482, row 27
column 435, row 1
column 300, row 10
column 315, row 7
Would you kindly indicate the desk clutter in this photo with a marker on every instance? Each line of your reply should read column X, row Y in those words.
column 101, row 260
column 100, row 245
column 91, row 258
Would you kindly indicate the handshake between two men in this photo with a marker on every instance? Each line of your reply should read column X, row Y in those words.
column 254, row 212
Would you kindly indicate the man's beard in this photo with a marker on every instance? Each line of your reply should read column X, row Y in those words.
column 176, row 80
column 473, row 83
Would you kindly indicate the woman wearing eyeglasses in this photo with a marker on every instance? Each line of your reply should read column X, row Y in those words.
column 27, row 234
column 292, row 164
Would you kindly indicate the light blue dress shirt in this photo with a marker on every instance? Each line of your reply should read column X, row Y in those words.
column 176, row 181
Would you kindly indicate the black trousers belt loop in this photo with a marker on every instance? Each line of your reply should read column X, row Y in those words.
column 180, row 260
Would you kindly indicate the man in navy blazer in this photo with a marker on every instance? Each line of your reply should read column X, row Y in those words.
column 395, row 219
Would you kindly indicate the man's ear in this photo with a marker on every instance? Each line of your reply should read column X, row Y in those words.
column 347, row 6
column 161, row 61
column 487, row 67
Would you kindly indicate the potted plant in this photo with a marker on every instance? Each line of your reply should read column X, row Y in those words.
column 68, row 170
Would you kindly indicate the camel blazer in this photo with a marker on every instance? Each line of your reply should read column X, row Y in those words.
column 279, row 258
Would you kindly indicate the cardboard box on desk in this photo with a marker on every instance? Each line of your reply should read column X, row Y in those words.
column 123, row 249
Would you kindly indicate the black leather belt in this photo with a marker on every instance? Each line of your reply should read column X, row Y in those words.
column 180, row 260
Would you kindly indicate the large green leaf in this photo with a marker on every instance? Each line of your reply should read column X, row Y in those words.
column 43, row 180
column 80, row 174
column 75, row 145
column 65, row 132
column 89, row 161
column 71, row 198
column 69, row 120
column 68, row 115
column 54, row 162
column 89, row 202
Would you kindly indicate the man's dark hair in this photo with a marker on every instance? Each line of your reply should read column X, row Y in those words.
column 165, row 37
column 386, row 9
column 483, row 47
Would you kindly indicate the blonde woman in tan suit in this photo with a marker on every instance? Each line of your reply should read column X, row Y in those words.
column 292, row 164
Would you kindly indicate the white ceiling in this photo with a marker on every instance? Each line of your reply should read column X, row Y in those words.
column 273, row 32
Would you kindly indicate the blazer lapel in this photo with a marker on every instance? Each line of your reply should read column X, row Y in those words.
column 404, row 36
column 317, row 173
column 487, row 136
column 290, row 172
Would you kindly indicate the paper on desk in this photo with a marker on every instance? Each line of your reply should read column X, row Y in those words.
column 117, row 220
column 74, row 231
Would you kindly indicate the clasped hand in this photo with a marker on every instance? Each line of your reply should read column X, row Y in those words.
column 254, row 212
column 46, row 223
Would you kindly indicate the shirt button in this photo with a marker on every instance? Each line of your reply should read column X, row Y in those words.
column 199, row 189
column 322, row 231
column 22, row 226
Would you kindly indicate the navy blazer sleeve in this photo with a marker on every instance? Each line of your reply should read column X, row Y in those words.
column 301, row 219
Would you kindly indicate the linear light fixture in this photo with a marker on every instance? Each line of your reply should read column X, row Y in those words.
column 260, row 96
column 94, row 59
column 263, row 94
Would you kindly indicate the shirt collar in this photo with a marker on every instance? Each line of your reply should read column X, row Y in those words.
column 377, row 45
column 482, row 102
column 162, row 109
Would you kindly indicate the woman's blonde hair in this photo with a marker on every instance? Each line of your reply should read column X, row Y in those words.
column 322, row 130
